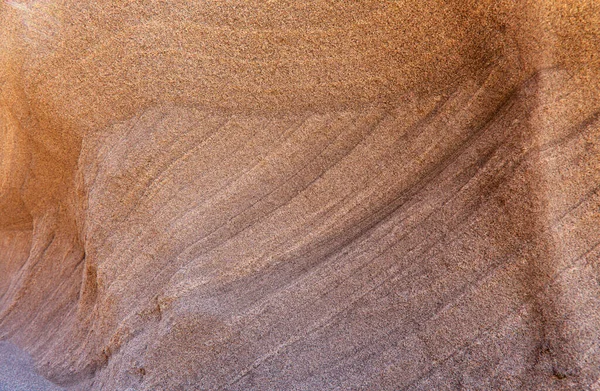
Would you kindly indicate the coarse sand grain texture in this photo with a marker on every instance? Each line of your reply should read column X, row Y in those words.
column 300, row 195
column 17, row 372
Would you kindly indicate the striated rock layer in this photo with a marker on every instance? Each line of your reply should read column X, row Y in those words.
column 316, row 195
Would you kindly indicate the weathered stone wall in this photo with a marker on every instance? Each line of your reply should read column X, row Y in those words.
column 312, row 195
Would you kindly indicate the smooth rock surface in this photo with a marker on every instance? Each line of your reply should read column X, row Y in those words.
column 316, row 195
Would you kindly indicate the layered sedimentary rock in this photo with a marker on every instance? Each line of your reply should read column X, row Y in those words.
column 251, row 195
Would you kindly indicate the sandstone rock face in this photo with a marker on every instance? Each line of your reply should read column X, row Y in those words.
column 316, row 195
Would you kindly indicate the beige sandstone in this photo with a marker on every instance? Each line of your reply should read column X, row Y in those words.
column 302, row 195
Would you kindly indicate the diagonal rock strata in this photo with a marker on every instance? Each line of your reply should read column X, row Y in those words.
column 326, row 195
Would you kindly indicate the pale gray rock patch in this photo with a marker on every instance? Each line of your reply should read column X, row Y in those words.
column 17, row 372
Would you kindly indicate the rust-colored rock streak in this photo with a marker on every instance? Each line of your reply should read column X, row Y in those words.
column 302, row 195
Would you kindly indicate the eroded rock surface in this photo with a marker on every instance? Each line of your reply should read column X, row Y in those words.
column 251, row 195
column 17, row 372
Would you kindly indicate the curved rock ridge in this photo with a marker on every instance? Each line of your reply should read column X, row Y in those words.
column 319, row 195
